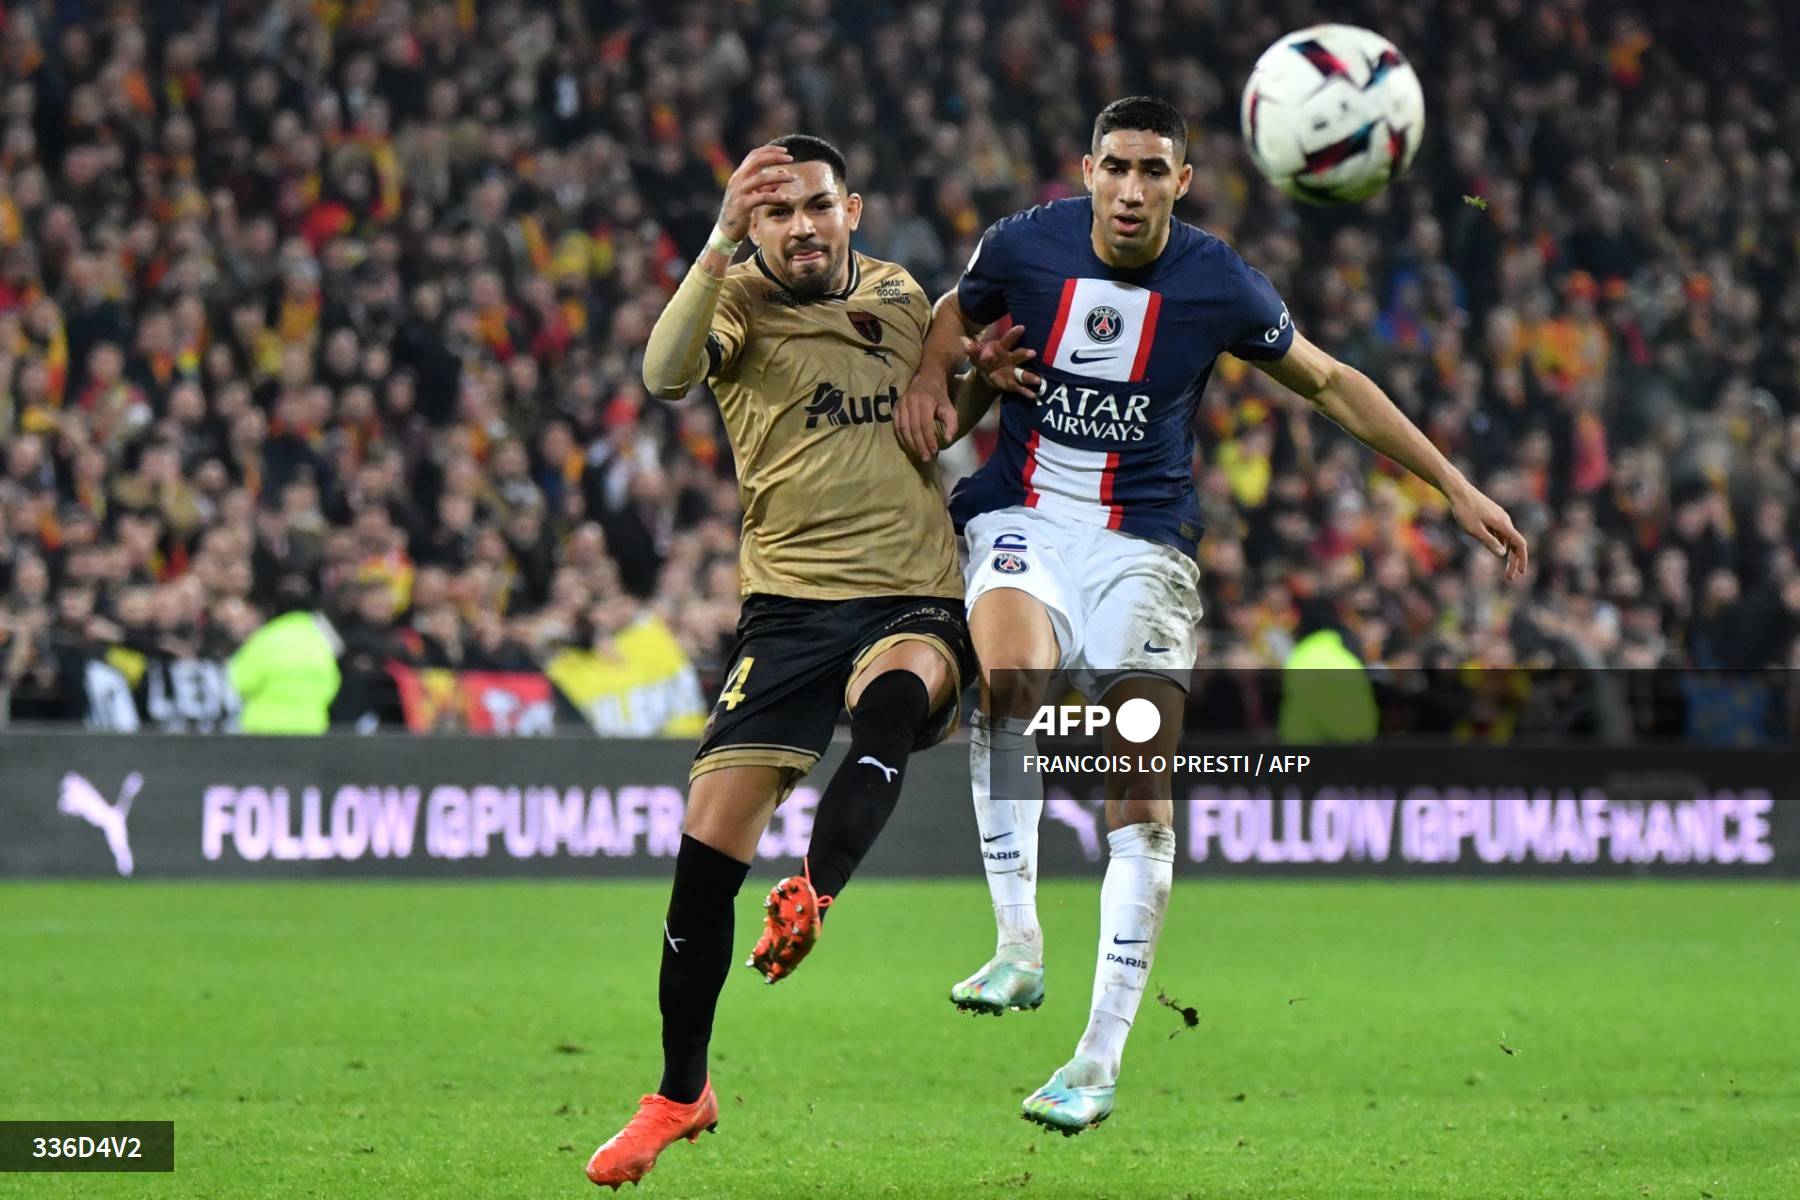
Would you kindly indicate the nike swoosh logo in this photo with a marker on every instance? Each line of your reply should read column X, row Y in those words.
column 1119, row 941
column 1075, row 357
column 996, row 837
column 1149, row 649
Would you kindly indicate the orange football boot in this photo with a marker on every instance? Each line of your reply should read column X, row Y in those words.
column 795, row 912
column 660, row 1122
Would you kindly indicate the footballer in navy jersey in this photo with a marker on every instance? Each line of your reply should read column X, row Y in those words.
column 1124, row 356
column 1082, row 527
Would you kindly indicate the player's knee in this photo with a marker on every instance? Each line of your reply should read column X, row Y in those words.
column 894, row 707
column 728, row 809
column 1012, row 691
column 1139, row 799
column 1015, row 668
column 1011, row 638
column 914, row 657
column 731, row 833
column 1017, row 650
column 1015, row 656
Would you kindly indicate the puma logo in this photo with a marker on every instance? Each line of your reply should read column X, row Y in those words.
column 79, row 798
column 674, row 942
column 887, row 772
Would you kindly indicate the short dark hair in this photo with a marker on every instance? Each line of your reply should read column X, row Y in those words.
column 294, row 592
column 1143, row 112
column 804, row 147
column 1316, row 615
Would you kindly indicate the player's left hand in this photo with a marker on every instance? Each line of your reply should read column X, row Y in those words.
column 1001, row 362
column 925, row 420
column 1487, row 523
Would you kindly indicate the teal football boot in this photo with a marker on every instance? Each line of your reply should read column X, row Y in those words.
column 1002, row 983
column 1079, row 1096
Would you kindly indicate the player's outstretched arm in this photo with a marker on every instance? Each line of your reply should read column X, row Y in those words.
column 675, row 359
column 926, row 407
column 973, row 398
column 1353, row 400
column 996, row 365
column 928, row 420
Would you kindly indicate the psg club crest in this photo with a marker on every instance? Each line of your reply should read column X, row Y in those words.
column 1009, row 564
column 867, row 324
column 1104, row 324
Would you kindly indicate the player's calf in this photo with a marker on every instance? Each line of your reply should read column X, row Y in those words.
column 888, row 720
column 1008, row 825
column 890, row 717
column 1133, row 901
column 696, row 957
column 1015, row 639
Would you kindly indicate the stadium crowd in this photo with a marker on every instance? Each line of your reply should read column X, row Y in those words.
column 346, row 300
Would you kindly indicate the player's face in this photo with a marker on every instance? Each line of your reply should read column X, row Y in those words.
column 1135, row 180
column 804, row 235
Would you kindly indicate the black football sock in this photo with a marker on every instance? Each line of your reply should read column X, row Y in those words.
column 696, row 957
column 889, row 716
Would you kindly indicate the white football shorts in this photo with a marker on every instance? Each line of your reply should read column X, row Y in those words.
column 1121, row 605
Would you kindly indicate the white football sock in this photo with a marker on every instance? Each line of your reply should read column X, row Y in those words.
column 1009, row 834
column 1133, row 900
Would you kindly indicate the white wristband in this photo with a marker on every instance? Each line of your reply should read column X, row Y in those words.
column 722, row 244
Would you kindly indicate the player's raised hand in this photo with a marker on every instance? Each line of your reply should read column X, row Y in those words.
column 1488, row 524
column 924, row 410
column 754, row 184
column 1001, row 361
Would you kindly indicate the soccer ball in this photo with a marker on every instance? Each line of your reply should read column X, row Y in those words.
column 1332, row 114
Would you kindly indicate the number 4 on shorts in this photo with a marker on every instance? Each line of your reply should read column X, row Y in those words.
column 733, row 695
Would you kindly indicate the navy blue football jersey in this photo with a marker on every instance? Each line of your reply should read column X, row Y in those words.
column 1124, row 354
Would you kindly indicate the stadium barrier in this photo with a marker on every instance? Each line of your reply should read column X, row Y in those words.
column 76, row 804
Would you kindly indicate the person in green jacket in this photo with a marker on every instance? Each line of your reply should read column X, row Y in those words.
column 286, row 673
column 1326, row 695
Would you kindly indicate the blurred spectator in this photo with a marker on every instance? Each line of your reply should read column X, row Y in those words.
column 286, row 672
column 1326, row 695
column 368, row 696
column 360, row 291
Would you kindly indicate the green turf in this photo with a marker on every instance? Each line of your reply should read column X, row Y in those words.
column 401, row 1041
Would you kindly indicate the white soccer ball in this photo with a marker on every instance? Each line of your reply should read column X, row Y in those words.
column 1332, row 114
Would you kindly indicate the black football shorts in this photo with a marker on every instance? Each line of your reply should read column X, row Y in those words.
column 793, row 664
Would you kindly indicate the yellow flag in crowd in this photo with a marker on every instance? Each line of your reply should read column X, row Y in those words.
column 641, row 685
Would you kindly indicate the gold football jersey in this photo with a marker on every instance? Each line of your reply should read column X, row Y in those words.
column 834, row 507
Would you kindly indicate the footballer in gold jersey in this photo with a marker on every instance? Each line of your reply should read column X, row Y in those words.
column 807, row 391
column 852, row 589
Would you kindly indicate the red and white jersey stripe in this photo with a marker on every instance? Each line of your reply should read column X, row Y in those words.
column 1077, row 484
column 1103, row 329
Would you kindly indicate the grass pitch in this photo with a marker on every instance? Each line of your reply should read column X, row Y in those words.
column 478, row 1040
